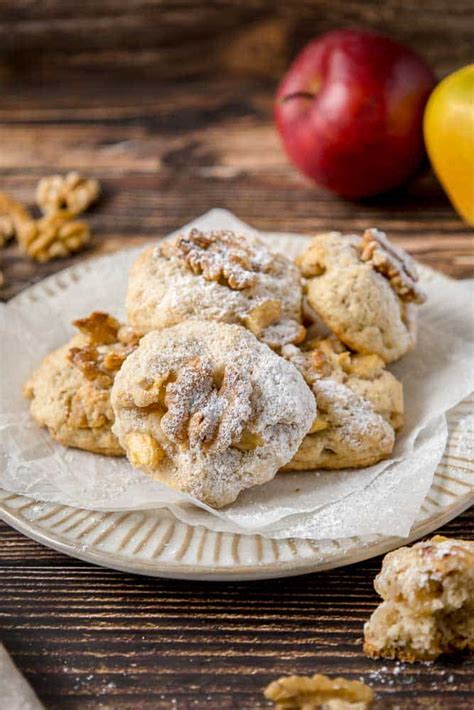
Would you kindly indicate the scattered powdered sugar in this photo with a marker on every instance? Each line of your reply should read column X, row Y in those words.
column 353, row 416
column 352, row 423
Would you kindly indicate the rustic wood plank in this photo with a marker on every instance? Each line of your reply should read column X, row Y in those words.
column 88, row 637
column 169, row 38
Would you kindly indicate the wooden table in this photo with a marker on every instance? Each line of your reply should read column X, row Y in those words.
column 165, row 152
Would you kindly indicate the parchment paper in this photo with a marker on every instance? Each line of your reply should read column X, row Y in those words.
column 381, row 499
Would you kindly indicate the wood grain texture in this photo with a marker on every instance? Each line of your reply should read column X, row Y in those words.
column 171, row 38
column 89, row 638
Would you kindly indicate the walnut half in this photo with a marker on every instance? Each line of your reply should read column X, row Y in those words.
column 218, row 256
column 318, row 691
column 72, row 193
column 52, row 237
column 99, row 327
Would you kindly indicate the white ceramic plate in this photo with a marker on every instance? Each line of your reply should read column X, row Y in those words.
column 155, row 543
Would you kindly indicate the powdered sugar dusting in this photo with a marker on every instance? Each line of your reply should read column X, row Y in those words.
column 208, row 416
column 224, row 384
column 219, row 276
column 353, row 416
column 351, row 423
column 221, row 256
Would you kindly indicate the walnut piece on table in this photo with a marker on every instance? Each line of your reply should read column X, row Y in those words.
column 12, row 216
column 428, row 607
column 7, row 229
column 53, row 236
column 318, row 691
column 72, row 193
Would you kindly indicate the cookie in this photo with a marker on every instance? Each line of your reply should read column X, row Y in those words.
column 209, row 410
column 365, row 290
column 219, row 276
column 359, row 404
column 428, row 607
column 70, row 390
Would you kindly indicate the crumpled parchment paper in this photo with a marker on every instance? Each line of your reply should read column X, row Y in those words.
column 384, row 498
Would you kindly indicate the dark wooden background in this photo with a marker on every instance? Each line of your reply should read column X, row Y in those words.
column 169, row 105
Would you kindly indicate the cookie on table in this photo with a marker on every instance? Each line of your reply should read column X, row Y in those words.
column 220, row 276
column 360, row 404
column 209, row 410
column 365, row 290
column 428, row 607
column 70, row 390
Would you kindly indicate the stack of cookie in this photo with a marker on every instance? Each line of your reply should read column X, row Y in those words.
column 236, row 363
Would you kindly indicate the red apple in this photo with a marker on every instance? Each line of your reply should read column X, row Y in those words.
column 350, row 109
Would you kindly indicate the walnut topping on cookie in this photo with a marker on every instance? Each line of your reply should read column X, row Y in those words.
column 209, row 410
column 298, row 692
column 396, row 265
column 428, row 607
column 99, row 364
column 219, row 276
column 219, row 256
column 70, row 390
column 100, row 328
column 210, row 418
column 364, row 290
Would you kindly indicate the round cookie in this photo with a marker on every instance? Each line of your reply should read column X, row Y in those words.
column 209, row 410
column 219, row 276
column 359, row 403
column 70, row 390
column 365, row 291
